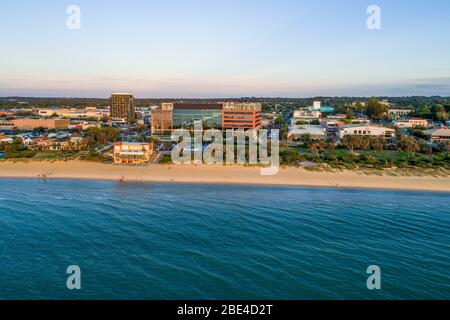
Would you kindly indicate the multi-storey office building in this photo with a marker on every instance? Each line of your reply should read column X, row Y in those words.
column 172, row 116
column 122, row 106
column 185, row 115
column 236, row 115
column 162, row 122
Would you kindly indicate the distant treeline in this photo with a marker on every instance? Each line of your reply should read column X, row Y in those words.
column 413, row 102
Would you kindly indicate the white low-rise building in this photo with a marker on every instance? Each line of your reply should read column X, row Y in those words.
column 367, row 130
column 412, row 123
column 307, row 114
column 440, row 135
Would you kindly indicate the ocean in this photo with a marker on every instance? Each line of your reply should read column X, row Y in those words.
column 184, row 241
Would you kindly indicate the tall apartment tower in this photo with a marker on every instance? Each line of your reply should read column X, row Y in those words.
column 122, row 106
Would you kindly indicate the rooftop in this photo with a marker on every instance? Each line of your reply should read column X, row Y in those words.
column 439, row 132
column 122, row 94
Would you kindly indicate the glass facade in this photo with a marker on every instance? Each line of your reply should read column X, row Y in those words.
column 186, row 118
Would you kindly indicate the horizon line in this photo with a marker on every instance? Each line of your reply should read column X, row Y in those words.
column 228, row 98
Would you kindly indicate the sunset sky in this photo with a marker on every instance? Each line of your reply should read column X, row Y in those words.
column 224, row 48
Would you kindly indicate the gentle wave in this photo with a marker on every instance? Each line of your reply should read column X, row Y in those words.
column 169, row 241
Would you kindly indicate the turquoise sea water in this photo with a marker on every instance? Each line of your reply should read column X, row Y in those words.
column 175, row 241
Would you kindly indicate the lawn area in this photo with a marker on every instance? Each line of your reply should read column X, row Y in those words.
column 39, row 155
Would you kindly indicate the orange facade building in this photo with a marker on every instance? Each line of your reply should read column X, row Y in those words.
column 241, row 115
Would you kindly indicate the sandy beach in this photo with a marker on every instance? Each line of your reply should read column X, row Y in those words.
column 216, row 174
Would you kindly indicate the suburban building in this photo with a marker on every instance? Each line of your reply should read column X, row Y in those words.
column 333, row 128
column 367, row 130
column 268, row 119
column 399, row 113
column 362, row 103
column 343, row 117
column 122, row 106
column 306, row 115
column 236, row 115
column 31, row 124
column 439, row 135
column 132, row 153
column 315, row 132
column 411, row 123
column 42, row 143
column 385, row 103
column 317, row 106
column 90, row 112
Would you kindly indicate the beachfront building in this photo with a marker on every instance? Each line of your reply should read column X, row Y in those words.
column 186, row 114
column 180, row 115
column 132, row 153
column 439, row 135
column 412, row 123
column 238, row 115
column 162, row 122
column 122, row 106
column 5, row 140
column 366, row 130
column 31, row 124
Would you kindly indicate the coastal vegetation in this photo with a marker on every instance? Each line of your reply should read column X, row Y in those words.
column 323, row 158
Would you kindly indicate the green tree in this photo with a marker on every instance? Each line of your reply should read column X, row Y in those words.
column 375, row 110
column 360, row 108
column 102, row 135
column 408, row 144
column 305, row 139
column 279, row 121
column 350, row 114
column 351, row 142
column 424, row 112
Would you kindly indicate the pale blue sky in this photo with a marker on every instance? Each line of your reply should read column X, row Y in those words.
column 224, row 48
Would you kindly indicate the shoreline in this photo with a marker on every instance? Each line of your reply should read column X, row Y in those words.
column 217, row 174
